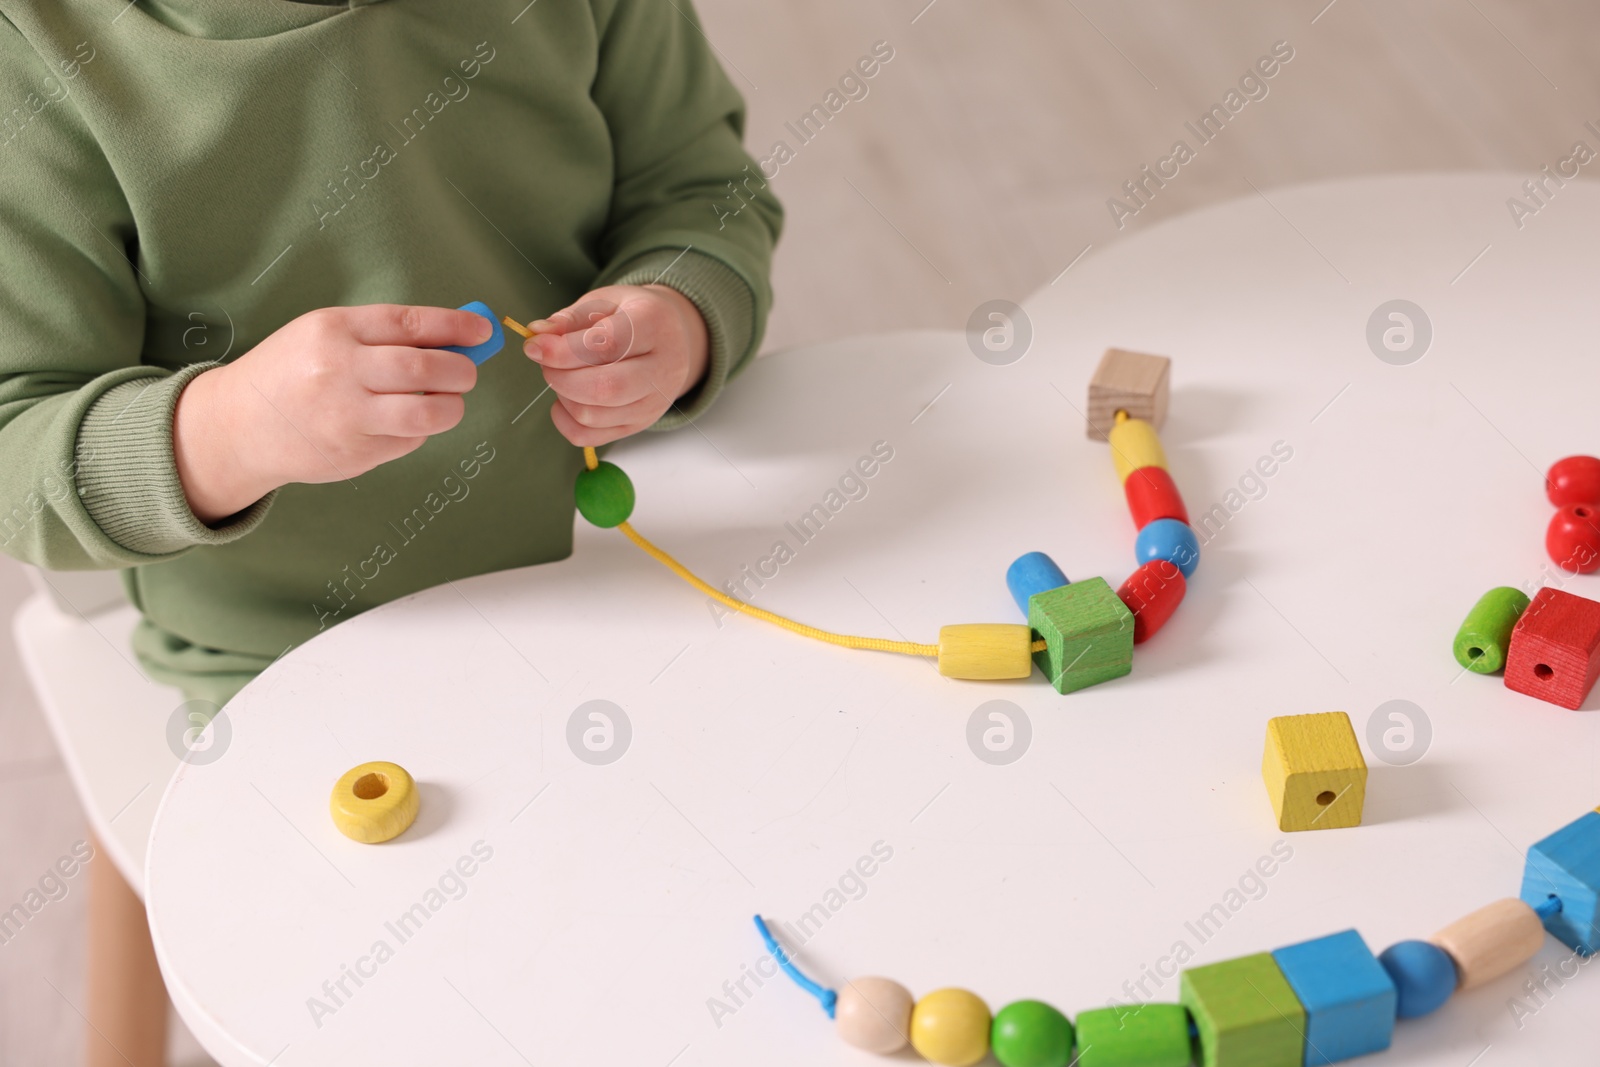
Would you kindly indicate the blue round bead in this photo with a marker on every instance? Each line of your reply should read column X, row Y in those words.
column 1032, row 573
column 1423, row 974
column 1170, row 540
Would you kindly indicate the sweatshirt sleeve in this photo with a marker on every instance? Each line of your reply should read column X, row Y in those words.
column 691, row 209
column 87, row 476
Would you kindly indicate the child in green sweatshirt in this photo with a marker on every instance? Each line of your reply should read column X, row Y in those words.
column 231, row 236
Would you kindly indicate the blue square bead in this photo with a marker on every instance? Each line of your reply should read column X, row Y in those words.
column 1567, row 863
column 480, row 353
column 1348, row 997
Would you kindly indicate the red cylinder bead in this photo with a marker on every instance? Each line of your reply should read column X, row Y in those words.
column 1573, row 539
column 1574, row 480
column 1153, row 495
column 1152, row 593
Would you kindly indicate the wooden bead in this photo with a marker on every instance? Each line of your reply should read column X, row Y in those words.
column 604, row 495
column 1424, row 976
column 986, row 651
column 1314, row 771
column 1171, row 540
column 1245, row 1012
column 1030, row 1033
column 1134, row 446
column 374, row 802
column 1573, row 538
column 1567, row 865
column 1485, row 635
column 1492, row 941
column 1574, row 480
column 1152, row 495
column 480, row 353
column 950, row 1027
column 1152, row 593
column 1131, row 382
column 1348, row 997
column 1088, row 634
column 1555, row 649
column 1030, row 573
column 1147, row 1035
column 874, row 1014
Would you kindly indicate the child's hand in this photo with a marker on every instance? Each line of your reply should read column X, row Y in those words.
column 329, row 396
column 618, row 358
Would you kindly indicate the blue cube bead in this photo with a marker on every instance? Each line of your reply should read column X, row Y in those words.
column 1424, row 976
column 480, row 354
column 1567, row 865
column 1348, row 996
column 1170, row 540
column 1032, row 573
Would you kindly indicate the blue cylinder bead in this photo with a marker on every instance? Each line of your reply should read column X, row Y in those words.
column 480, row 353
column 1170, row 540
column 1424, row 975
column 1032, row 573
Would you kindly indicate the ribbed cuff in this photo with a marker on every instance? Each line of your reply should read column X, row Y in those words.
column 128, row 477
column 723, row 300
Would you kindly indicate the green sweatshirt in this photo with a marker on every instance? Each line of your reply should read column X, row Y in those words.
column 179, row 178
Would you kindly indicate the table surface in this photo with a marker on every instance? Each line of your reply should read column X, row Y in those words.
column 607, row 914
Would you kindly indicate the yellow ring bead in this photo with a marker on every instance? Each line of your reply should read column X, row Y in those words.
column 374, row 802
column 1134, row 444
column 951, row 1027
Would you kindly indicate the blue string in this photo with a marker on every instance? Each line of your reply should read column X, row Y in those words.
column 1551, row 905
column 827, row 997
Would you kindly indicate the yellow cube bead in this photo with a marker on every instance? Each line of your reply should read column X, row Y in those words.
column 374, row 802
column 1314, row 771
column 985, row 651
column 1135, row 444
column 950, row 1027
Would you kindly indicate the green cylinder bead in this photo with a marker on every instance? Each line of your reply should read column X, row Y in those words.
column 604, row 495
column 1482, row 641
column 1029, row 1033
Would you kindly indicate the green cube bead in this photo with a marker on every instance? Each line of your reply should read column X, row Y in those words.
column 604, row 495
column 1030, row 1033
column 1246, row 1012
column 1088, row 634
column 1150, row 1035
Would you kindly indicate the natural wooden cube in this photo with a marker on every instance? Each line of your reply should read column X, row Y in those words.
column 1131, row 382
column 1246, row 1013
column 1314, row 771
column 1088, row 634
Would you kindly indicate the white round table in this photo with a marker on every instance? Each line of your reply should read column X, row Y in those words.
column 604, row 915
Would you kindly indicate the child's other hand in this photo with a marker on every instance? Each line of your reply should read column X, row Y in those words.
column 331, row 395
column 618, row 358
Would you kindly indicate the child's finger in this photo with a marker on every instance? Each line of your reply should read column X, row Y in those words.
column 586, row 312
column 607, row 340
column 610, row 386
column 393, row 369
column 414, row 326
column 600, row 417
column 582, row 435
column 405, row 415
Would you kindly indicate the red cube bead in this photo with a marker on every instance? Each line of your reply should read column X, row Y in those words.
column 1153, row 495
column 1574, row 480
column 1152, row 593
column 1555, row 649
column 1573, row 539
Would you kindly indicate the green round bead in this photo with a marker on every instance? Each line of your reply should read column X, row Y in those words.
column 1029, row 1033
column 604, row 495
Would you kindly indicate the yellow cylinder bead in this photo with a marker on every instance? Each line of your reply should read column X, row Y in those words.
column 1492, row 941
column 374, row 802
column 1135, row 444
column 950, row 1027
column 985, row 651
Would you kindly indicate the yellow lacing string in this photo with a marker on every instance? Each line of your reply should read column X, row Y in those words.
column 874, row 644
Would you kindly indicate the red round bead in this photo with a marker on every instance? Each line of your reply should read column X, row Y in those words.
column 1153, row 495
column 1574, row 480
column 1573, row 539
column 1152, row 593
